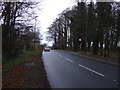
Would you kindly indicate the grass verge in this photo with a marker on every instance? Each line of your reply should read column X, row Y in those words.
column 8, row 64
column 113, row 56
column 21, row 74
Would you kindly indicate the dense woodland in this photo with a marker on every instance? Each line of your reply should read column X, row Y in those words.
column 93, row 27
column 17, row 29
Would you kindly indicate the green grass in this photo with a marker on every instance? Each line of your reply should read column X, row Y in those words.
column 113, row 55
column 7, row 64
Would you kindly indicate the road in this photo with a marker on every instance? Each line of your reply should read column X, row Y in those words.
column 65, row 70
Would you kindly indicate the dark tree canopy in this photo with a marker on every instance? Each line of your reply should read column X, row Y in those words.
column 90, row 27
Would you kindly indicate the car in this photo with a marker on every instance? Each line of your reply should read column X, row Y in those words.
column 47, row 49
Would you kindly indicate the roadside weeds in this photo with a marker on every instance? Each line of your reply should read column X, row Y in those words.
column 22, row 75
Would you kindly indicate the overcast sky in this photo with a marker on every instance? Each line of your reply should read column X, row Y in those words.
column 49, row 12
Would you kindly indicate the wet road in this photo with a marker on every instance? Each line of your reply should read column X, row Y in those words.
column 65, row 70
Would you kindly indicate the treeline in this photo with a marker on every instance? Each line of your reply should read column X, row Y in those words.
column 93, row 27
column 17, row 29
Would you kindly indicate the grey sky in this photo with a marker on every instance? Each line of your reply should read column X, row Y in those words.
column 50, row 10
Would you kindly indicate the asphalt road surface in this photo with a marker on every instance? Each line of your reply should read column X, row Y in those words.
column 65, row 70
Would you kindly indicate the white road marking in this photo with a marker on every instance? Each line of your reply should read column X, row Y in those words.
column 69, row 60
column 60, row 55
column 91, row 70
column 114, row 80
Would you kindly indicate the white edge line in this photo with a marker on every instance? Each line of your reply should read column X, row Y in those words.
column 91, row 70
column 69, row 60
column 60, row 55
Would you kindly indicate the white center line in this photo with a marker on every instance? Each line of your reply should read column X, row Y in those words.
column 91, row 70
column 60, row 55
column 69, row 60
